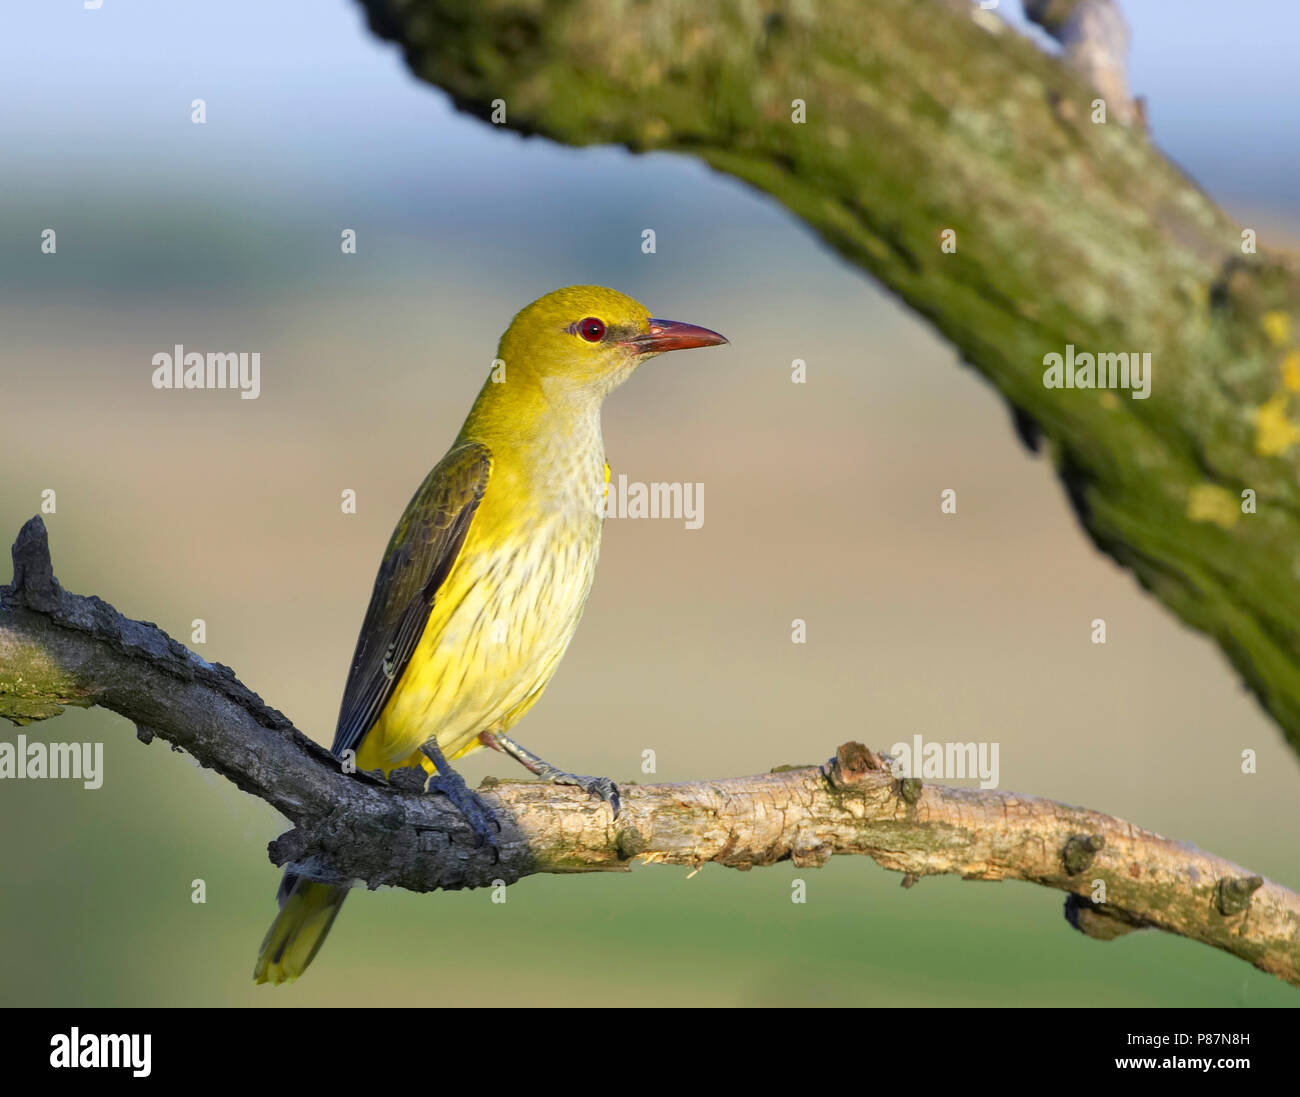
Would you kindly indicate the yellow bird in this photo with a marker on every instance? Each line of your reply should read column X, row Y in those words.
column 486, row 575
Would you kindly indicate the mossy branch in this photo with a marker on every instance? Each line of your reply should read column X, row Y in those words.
column 928, row 115
column 59, row 649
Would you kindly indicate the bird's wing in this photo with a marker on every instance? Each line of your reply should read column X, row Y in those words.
column 420, row 555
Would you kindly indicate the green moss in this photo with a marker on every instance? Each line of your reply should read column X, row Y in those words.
column 33, row 687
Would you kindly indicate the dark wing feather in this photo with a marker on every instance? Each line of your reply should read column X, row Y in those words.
column 421, row 553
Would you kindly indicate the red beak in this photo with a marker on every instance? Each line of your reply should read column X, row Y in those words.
column 667, row 335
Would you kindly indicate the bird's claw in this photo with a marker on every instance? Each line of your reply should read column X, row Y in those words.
column 594, row 786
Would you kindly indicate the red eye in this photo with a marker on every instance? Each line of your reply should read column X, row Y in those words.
column 591, row 329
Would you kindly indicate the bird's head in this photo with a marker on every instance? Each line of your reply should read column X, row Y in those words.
column 587, row 340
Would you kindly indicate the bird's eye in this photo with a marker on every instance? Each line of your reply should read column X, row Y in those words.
column 591, row 329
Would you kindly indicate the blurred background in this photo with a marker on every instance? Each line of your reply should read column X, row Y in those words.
column 820, row 502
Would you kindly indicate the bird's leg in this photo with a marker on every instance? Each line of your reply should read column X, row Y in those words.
column 478, row 815
column 593, row 786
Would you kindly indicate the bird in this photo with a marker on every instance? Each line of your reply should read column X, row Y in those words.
column 485, row 577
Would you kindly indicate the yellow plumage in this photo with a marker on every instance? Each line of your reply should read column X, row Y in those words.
column 485, row 578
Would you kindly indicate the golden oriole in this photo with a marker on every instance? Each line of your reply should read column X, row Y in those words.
column 486, row 575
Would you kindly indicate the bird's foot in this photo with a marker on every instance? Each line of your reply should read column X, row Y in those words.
column 482, row 819
column 592, row 786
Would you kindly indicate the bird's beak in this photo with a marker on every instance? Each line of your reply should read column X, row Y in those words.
column 667, row 335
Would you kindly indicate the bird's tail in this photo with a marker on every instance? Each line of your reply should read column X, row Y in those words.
column 307, row 910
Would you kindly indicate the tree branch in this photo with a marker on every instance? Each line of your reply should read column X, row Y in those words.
column 923, row 116
column 1095, row 40
column 59, row 649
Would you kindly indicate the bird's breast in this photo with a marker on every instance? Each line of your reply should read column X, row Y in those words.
column 510, row 605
